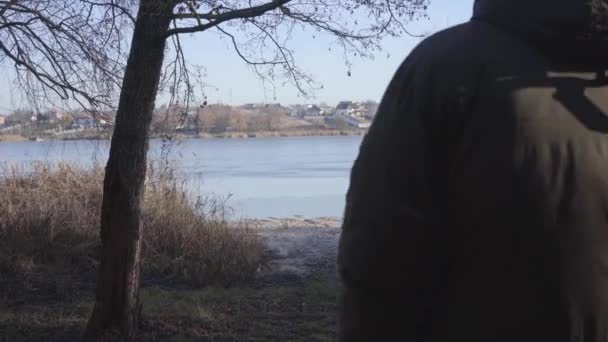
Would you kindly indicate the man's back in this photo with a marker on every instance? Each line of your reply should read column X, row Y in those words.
column 478, row 207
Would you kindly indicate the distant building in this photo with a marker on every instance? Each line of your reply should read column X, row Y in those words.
column 343, row 107
column 2, row 120
column 55, row 115
column 84, row 122
column 357, row 110
column 327, row 110
column 296, row 110
column 92, row 120
column 312, row 112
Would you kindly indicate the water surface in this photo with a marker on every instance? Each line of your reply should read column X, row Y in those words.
column 265, row 177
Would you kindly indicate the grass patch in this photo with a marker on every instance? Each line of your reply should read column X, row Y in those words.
column 49, row 224
column 302, row 313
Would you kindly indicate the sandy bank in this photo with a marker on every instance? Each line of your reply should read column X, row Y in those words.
column 299, row 249
column 11, row 138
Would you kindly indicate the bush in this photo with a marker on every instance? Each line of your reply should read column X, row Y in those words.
column 49, row 222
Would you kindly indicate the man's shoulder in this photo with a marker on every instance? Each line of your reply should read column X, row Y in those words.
column 454, row 44
column 461, row 52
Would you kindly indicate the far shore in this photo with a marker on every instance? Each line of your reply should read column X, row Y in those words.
column 12, row 138
column 104, row 135
column 297, row 221
column 271, row 134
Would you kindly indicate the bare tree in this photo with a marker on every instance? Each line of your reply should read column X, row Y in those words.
column 261, row 32
column 68, row 51
column 73, row 50
column 268, row 26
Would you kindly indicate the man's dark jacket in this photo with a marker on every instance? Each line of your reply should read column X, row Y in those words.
column 478, row 205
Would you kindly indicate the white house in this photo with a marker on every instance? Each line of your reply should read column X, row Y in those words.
column 343, row 107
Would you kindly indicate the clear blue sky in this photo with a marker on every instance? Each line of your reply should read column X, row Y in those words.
column 232, row 82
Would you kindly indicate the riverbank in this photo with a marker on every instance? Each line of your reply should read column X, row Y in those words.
column 105, row 135
column 203, row 277
column 275, row 134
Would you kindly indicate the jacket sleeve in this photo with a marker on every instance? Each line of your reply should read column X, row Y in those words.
column 390, row 247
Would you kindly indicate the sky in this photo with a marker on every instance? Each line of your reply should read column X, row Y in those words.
column 230, row 81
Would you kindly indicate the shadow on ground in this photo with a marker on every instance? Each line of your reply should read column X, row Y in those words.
column 294, row 299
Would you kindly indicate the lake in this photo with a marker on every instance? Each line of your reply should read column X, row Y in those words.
column 263, row 177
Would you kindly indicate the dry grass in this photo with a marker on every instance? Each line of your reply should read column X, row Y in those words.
column 49, row 223
column 12, row 137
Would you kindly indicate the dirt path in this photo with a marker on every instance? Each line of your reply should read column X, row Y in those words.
column 299, row 250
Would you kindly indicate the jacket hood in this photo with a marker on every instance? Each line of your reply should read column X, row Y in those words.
column 583, row 23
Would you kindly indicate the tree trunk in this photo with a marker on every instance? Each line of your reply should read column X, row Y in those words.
column 116, row 312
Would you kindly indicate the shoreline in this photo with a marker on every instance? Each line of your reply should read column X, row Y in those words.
column 12, row 138
column 277, row 134
column 97, row 135
column 276, row 223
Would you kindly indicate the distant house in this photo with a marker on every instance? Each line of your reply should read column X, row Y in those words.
column 296, row 110
column 357, row 110
column 312, row 112
column 55, row 115
column 84, row 122
column 327, row 110
column 343, row 107
column 2, row 120
column 92, row 120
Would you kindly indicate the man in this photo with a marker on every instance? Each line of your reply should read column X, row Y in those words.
column 478, row 206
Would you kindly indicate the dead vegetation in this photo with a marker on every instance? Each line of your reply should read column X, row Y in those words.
column 49, row 224
column 49, row 219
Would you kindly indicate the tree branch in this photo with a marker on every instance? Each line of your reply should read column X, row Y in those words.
column 219, row 18
column 65, row 50
column 113, row 4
